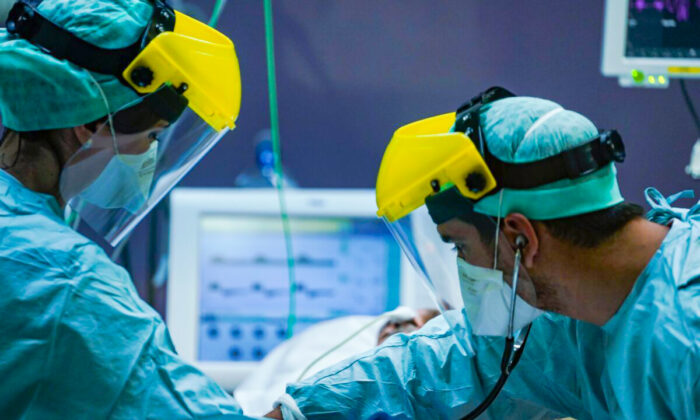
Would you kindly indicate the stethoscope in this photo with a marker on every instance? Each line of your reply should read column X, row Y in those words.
column 514, row 346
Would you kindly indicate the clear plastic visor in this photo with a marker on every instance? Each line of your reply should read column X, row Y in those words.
column 474, row 299
column 115, row 179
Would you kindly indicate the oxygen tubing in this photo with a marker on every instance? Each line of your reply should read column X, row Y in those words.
column 274, row 125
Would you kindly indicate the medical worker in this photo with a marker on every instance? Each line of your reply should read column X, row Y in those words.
column 106, row 104
column 606, row 319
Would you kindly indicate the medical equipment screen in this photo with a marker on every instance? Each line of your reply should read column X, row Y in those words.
column 343, row 266
column 663, row 29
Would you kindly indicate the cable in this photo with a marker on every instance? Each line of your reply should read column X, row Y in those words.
column 339, row 345
column 507, row 366
column 398, row 314
column 275, row 129
column 689, row 104
column 216, row 14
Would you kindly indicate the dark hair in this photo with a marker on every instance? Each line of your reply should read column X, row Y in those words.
column 591, row 229
column 28, row 136
column 585, row 230
column 51, row 136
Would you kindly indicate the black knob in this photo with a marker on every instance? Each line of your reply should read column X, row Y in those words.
column 614, row 148
column 476, row 182
column 142, row 76
column 182, row 88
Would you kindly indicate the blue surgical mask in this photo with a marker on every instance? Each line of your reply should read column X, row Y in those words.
column 125, row 181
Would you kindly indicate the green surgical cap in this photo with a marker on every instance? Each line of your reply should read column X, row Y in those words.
column 524, row 129
column 39, row 92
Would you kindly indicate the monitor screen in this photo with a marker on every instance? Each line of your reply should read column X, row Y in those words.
column 663, row 29
column 343, row 266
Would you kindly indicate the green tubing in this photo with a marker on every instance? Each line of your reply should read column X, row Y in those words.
column 216, row 14
column 274, row 123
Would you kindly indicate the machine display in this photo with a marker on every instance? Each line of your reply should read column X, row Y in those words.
column 228, row 295
column 658, row 28
column 344, row 266
column 648, row 42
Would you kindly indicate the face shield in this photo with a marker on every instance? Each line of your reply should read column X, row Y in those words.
column 188, row 80
column 431, row 172
column 129, row 164
column 477, row 280
column 434, row 173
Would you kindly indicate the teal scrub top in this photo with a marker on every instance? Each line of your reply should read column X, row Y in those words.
column 76, row 341
column 643, row 363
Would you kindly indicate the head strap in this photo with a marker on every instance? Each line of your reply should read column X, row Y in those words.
column 573, row 163
column 166, row 103
column 25, row 21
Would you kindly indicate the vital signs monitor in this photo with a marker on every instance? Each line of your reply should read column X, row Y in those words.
column 647, row 41
column 229, row 286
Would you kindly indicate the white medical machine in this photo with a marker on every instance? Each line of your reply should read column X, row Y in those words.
column 228, row 286
column 646, row 42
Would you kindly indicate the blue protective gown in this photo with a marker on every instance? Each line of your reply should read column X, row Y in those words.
column 643, row 363
column 76, row 341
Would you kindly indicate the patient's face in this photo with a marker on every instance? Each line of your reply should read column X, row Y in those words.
column 406, row 327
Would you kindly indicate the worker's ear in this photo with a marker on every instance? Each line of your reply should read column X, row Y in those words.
column 83, row 133
column 521, row 234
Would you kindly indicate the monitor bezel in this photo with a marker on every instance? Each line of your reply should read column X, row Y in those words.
column 188, row 205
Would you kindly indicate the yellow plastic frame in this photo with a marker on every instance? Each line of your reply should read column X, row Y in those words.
column 204, row 59
column 420, row 153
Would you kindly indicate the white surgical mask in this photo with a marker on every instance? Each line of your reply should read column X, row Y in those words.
column 125, row 181
column 486, row 299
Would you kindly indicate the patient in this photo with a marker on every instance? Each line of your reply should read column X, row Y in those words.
column 300, row 354
column 407, row 326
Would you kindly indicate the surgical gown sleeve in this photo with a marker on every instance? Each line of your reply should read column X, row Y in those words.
column 115, row 354
column 76, row 341
column 109, row 355
column 428, row 375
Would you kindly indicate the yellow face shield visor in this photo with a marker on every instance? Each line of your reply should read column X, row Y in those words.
column 448, row 152
column 184, row 62
column 199, row 62
column 424, row 158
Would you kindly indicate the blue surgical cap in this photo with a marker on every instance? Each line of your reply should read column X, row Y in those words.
column 525, row 129
column 40, row 92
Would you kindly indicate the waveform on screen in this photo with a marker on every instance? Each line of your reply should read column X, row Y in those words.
column 262, row 260
column 680, row 8
column 269, row 292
